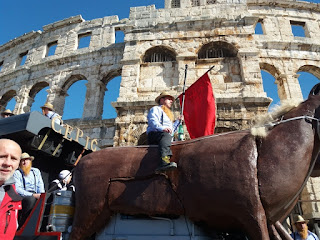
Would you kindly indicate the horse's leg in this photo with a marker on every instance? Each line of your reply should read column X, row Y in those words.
column 256, row 223
column 258, row 230
column 87, row 223
column 282, row 231
column 101, row 220
column 273, row 233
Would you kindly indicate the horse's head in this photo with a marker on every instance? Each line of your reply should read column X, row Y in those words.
column 315, row 91
column 314, row 98
column 288, row 109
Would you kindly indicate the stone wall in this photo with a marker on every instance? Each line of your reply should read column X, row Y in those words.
column 98, row 64
column 185, row 34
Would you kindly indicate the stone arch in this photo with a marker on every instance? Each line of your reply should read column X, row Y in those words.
column 218, row 49
column 6, row 98
column 308, row 76
column 71, row 80
column 80, row 99
column 159, row 70
column 110, row 75
column 108, row 78
column 224, row 56
column 314, row 70
column 276, row 93
column 37, row 88
column 270, row 69
column 159, row 54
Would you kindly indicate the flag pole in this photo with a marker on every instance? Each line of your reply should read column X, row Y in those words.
column 209, row 69
column 180, row 127
column 184, row 88
column 207, row 118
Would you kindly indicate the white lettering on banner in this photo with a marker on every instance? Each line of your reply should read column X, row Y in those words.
column 79, row 134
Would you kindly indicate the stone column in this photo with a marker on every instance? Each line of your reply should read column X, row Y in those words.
column 272, row 31
column 108, row 32
column 191, row 72
column 167, row 3
column 203, row 2
column 56, row 96
column 131, row 122
column 310, row 199
column 93, row 106
column 23, row 101
column 185, row 3
column 289, row 87
column 129, row 82
column 285, row 29
column 313, row 30
column 250, row 73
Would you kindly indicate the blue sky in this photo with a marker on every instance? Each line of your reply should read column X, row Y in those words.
column 20, row 17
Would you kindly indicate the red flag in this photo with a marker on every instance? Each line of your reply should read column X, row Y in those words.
column 199, row 108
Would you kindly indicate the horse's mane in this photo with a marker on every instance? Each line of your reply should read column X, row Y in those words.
column 263, row 122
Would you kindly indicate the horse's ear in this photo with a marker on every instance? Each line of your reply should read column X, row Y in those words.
column 315, row 90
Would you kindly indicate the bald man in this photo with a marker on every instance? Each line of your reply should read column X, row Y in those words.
column 10, row 200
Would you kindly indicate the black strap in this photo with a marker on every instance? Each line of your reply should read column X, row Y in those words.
column 52, row 115
column 314, row 237
column 24, row 181
column 162, row 118
column 294, row 236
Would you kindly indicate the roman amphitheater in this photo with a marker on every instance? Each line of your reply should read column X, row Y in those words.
column 157, row 45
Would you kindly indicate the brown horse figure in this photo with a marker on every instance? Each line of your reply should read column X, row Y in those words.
column 226, row 181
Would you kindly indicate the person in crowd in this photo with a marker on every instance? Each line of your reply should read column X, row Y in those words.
column 6, row 113
column 161, row 128
column 63, row 182
column 29, row 184
column 10, row 200
column 48, row 111
column 302, row 232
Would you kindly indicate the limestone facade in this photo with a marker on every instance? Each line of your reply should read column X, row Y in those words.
column 157, row 46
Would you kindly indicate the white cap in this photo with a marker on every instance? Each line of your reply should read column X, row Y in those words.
column 63, row 174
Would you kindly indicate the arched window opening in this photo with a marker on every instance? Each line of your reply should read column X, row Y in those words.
column 195, row 3
column 211, row 2
column 298, row 29
column 119, row 36
column 217, row 50
column 84, row 40
column 40, row 98
column 8, row 100
column 270, row 87
column 22, row 58
column 74, row 101
column 175, row 3
column 159, row 54
column 111, row 95
column 51, row 48
column 307, row 81
column 259, row 27
column 11, row 104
